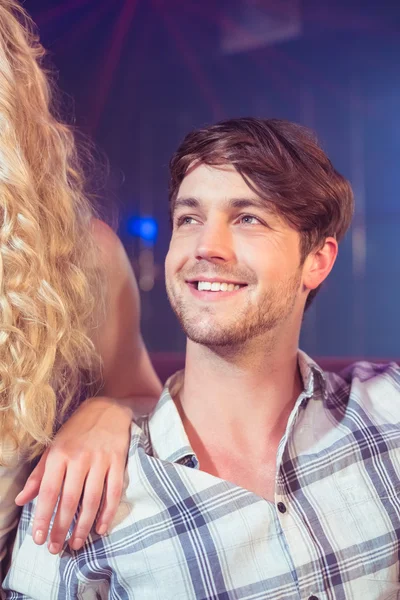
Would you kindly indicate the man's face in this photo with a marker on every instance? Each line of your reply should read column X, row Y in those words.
column 233, row 267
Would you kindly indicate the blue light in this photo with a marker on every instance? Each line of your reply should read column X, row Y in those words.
column 145, row 228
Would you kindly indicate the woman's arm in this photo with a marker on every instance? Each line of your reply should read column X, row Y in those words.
column 89, row 452
column 128, row 372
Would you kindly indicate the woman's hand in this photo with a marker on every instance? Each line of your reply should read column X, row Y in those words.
column 87, row 457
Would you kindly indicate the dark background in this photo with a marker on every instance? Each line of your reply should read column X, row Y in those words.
column 139, row 74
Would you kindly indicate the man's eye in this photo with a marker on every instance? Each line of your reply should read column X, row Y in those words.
column 185, row 220
column 249, row 220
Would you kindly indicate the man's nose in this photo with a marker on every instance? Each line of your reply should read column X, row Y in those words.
column 215, row 243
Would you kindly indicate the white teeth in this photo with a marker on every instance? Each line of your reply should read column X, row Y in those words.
column 217, row 286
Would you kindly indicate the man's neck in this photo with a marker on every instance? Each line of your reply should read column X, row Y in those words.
column 238, row 403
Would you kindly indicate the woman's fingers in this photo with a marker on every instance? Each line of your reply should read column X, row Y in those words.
column 91, row 500
column 112, row 496
column 50, row 487
column 32, row 485
column 68, row 504
column 89, row 446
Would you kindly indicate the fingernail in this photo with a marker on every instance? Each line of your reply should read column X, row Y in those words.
column 39, row 536
column 77, row 544
column 102, row 530
column 54, row 548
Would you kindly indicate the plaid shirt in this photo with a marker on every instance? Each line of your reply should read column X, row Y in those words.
column 333, row 532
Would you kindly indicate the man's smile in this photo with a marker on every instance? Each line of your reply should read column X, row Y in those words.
column 211, row 288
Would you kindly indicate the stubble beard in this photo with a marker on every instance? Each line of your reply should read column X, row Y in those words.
column 201, row 325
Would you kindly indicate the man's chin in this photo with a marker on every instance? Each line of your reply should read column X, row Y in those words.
column 210, row 337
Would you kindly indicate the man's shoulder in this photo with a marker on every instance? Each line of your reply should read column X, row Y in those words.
column 368, row 373
column 374, row 387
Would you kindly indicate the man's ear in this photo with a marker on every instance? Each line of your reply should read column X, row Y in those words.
column 319, row 263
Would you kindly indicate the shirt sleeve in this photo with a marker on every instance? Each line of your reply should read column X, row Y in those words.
column 12, row 480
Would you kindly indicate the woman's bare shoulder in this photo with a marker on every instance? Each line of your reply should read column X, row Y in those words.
column 106, row 239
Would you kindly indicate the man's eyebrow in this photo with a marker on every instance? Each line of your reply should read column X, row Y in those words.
column 246, row 202
column 192, row 202
column 186, row 203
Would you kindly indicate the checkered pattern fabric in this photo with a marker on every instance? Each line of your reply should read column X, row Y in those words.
column 332, row 533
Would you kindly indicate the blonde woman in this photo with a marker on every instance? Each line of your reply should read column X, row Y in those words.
column 69, row 317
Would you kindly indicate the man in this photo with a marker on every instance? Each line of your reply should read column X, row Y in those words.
column 258, row 475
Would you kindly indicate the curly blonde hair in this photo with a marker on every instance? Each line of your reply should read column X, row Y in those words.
column 48, row 279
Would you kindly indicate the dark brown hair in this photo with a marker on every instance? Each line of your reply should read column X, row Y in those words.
column 283, row 163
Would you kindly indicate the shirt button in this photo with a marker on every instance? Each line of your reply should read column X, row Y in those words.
column 313, row 598
column 282, row 509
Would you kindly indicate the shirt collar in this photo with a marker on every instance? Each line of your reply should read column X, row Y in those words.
column 314, row 379
column 168, row 436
